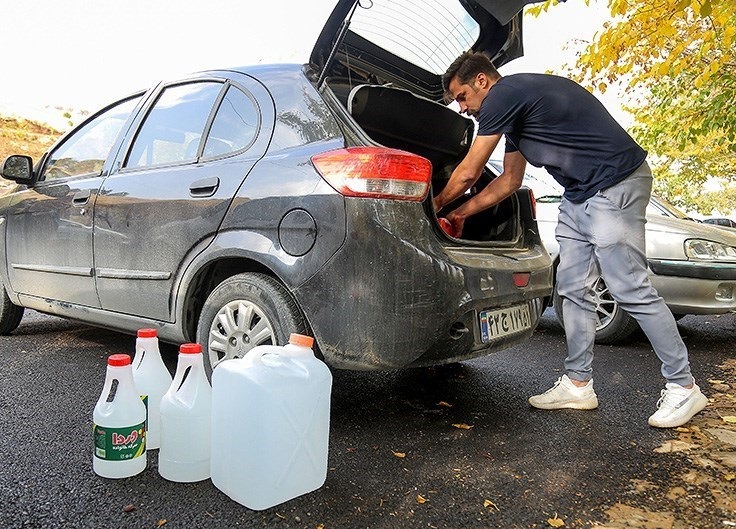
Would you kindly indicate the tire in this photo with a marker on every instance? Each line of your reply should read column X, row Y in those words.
column 613, row 324
column 10, row 314
column 244, row 311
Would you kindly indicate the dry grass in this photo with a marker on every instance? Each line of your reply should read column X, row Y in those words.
column 20, row 136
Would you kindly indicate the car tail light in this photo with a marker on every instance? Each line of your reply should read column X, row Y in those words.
column 375, row 172
column 521, row 279
column 533, row 203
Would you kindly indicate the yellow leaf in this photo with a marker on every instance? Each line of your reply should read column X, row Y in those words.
column 444, row 404
column 398, row 454
column 730, row 419
column 729, row 477
column 489, row 504
column 462, row 426
column 421, row 499
column 556, row 522
column 706, row 9
column 162, row 522
column 321, row 526
column 714, row 381
column 674, row 446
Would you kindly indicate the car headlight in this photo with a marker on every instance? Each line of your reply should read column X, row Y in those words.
column 709, row 251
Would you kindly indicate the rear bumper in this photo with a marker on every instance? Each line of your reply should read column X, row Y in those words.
column 407, row 297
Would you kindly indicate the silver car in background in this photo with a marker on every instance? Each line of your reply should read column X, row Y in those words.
column 691, row 265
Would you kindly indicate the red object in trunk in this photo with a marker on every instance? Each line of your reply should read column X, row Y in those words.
column 448, row 227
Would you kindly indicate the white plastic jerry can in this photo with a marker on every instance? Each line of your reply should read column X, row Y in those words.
column 119, row 423
column 152, row 379
column 270, row 424
column 186, row 410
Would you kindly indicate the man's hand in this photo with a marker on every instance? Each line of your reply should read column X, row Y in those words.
column 457, row 221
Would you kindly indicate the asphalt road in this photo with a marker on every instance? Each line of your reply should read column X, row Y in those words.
column 398, row 458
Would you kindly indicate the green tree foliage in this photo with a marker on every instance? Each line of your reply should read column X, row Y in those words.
column 676, row 61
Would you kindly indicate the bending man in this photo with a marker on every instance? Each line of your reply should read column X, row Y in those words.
column 553, row 122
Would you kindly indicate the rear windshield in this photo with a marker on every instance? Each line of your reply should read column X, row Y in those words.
column 430, row 34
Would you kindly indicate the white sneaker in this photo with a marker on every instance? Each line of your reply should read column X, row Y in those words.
column 677, row 405
column 565, row 394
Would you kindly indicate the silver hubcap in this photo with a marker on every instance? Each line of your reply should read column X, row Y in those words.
column 605, row 306
column 237, row 328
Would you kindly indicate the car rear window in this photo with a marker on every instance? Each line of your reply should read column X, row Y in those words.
column 428, row 34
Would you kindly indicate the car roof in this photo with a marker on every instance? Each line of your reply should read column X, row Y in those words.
column 411, row 43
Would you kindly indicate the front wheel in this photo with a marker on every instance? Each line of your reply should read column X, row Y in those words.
column 613, row 324
column 10, row 314
column 245, row 311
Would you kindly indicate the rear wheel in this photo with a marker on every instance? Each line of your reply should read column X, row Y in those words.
column 245, row 311
column 613, row 324
column 10, row 314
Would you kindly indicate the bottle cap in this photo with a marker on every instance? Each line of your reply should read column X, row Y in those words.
column 147, row 333
column 301, row 340
column 118, row 360
column 190, row 348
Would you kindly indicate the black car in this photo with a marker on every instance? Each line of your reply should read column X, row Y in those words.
column 235, row 206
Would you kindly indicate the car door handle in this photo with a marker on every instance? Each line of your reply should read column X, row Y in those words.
column 81, row 197
column 205, row 187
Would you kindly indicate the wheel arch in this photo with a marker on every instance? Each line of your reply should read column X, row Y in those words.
column 206, row 278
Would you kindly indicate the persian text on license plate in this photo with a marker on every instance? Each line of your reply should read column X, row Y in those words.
column 503, row 322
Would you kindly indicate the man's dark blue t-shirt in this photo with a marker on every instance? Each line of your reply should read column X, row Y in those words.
column 558, row 124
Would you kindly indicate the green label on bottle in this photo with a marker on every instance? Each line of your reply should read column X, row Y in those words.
column 120, row 444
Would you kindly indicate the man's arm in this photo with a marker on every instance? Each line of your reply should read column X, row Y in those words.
column 469, row 170
column 500, row 188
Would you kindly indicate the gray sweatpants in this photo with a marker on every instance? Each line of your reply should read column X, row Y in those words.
column 604, row 236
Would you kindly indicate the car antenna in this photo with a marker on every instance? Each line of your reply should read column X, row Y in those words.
column 340, row 36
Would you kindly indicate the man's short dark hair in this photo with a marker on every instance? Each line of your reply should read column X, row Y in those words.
column 466, row 68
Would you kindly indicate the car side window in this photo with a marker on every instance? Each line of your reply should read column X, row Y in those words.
column 172, row 130
column 85, row 150
column 235, row 126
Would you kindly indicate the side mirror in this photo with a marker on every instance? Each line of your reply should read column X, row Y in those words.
column 18, row 168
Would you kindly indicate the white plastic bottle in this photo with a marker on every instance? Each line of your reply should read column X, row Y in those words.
column 119, row 423
column 186, row 411
column 152, row 379
column 270, row 424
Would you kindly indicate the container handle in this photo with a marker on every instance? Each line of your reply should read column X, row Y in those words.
column 254, row 357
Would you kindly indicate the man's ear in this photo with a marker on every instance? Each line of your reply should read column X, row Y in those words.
column 482, row 80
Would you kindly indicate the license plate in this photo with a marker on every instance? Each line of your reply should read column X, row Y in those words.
column 504, row 322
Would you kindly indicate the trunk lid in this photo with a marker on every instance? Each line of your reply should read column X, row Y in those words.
column 411, row 43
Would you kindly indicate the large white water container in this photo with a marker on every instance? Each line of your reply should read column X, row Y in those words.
column 186, row 411
column 270, row 424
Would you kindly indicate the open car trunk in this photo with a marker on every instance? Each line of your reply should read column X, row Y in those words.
column 396, row 118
